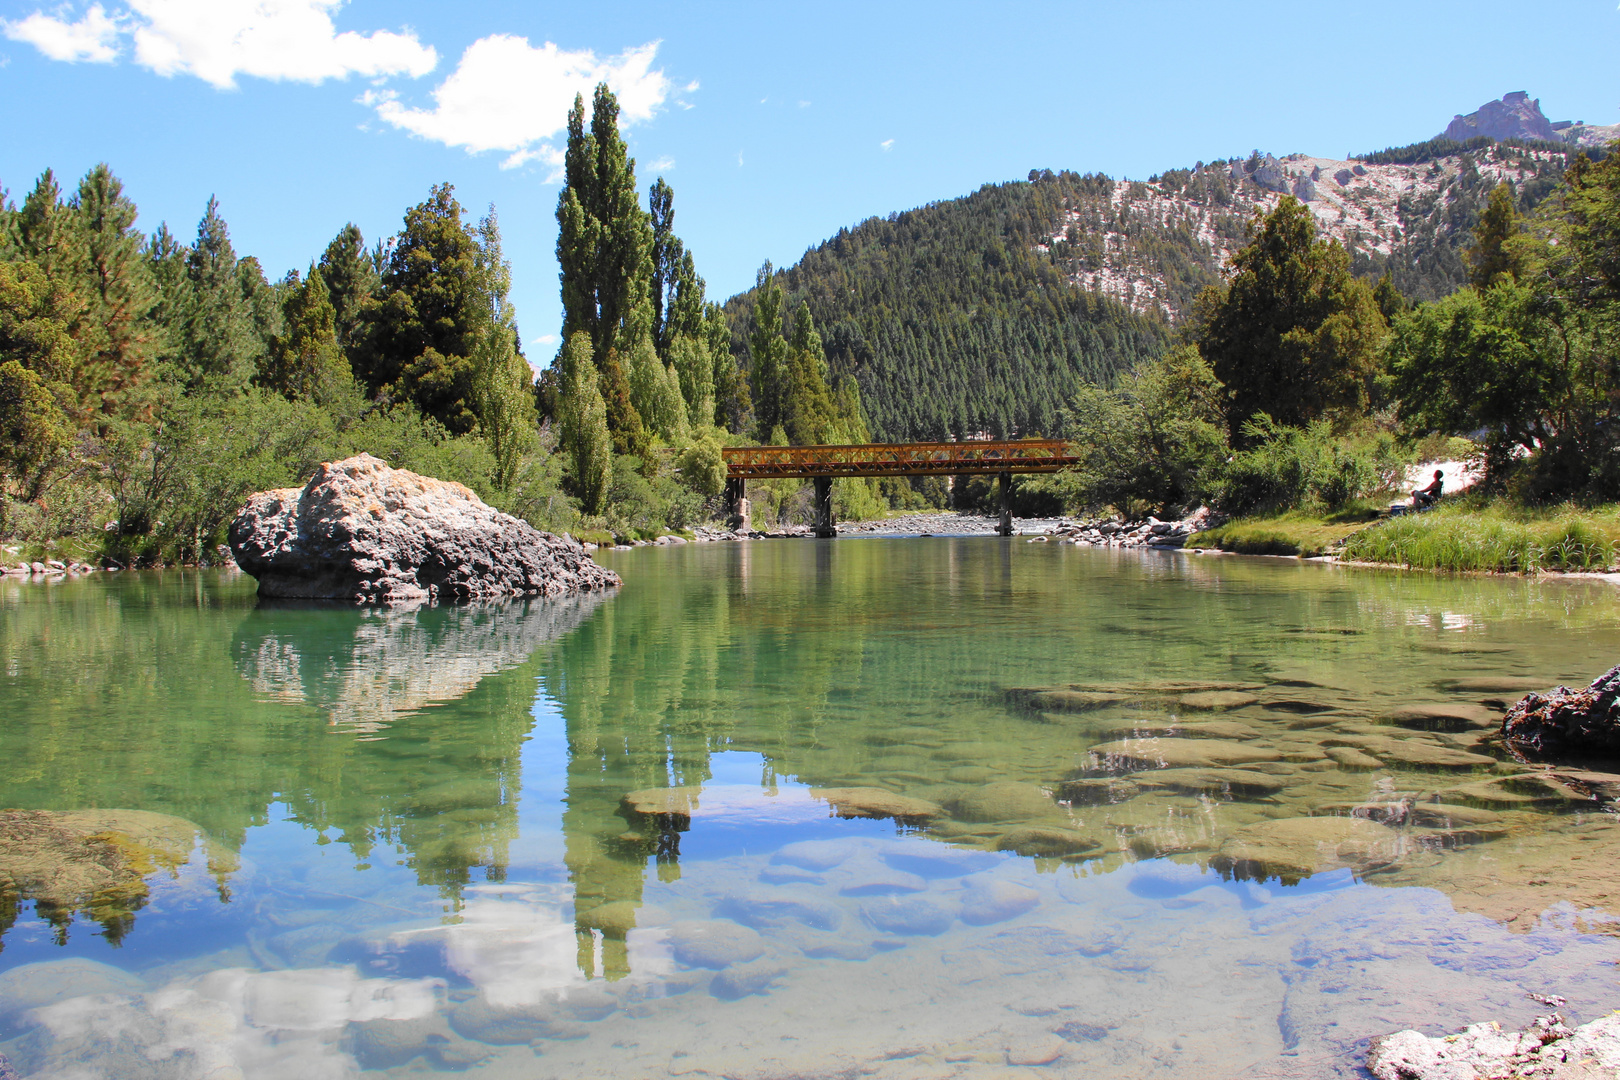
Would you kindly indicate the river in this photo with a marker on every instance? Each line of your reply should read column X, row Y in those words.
column 896, row 807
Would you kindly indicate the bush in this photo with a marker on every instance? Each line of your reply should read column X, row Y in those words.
column 1305, row 468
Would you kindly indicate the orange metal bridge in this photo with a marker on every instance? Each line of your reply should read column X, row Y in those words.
column 825, row 463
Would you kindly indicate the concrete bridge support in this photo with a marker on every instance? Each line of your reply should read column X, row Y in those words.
column 736, row 503
column 824, row 509
column 1004, row 489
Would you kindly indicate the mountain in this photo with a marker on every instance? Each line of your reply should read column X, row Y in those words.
column 1518, row 116
column 983, row 314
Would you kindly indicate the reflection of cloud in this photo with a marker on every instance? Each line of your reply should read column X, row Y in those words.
column 517, row 944
column 226, row 1023
column 393, row 663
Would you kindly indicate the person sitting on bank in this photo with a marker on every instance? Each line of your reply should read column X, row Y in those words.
column 1427, row 497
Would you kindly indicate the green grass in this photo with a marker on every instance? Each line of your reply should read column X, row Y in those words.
column 1494, row 536
column 1295, row 532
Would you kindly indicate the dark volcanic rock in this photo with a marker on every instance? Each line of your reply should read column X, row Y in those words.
column 364, row 532
column 1564, row 722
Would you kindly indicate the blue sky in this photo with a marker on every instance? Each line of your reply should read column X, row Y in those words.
column 775, row 124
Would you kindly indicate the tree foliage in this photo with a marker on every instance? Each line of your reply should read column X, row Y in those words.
column 1293, row 335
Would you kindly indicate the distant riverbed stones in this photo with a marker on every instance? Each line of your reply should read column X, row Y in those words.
column 369, row 534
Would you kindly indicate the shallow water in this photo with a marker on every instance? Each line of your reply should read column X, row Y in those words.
column 1136, row 815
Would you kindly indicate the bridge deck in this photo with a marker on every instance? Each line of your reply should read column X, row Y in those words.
column 897, row 459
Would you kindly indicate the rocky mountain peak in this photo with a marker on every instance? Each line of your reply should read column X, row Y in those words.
column 1514, row 116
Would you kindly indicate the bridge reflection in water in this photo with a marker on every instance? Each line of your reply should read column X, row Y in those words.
column 824, row 464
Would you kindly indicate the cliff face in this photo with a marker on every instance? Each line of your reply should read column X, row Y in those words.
column 1519, row 116
column 1154, row 244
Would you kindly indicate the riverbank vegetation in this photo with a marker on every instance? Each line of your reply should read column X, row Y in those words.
column 148, row 384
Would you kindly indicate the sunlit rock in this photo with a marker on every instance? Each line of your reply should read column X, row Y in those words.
column 363, row 532
column 1293, row 848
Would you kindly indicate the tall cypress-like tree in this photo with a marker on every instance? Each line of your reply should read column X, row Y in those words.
column 503, row 385
column 583, row 422
column 767, row 354
column 667, row 252
column 1293, row 335
column 604, row 248
column 1493, row 254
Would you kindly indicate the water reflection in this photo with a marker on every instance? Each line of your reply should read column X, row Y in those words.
column 123, row 701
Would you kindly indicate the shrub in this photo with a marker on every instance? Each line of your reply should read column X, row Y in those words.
column 1307, row 468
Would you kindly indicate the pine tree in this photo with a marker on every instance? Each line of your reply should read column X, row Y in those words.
column 304, row 362
column 43, row 229
column 422, row 327
column 214, row 326
column 503, row 385
column 1293, row 335
column 1493, row 255
column 118, row 289
column 583, row 423
column 351, row 278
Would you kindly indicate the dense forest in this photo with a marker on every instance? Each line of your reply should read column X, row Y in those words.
column 953, row 321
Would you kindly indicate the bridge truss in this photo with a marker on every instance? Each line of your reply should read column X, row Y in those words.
column 823, row 464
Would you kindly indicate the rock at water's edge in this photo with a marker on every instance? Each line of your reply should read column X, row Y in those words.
column 1547, row 1048
column 1565, row 722
column 367, row 533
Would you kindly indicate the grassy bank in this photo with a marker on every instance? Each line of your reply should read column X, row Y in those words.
column 1494, row 536
column 1460, row 535
column 1296, row 532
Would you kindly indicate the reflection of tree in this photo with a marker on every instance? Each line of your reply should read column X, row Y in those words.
column 126, row 697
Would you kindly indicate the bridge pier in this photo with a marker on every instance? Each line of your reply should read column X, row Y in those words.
column 736, row 503
column 824, row 509
column 1004, row 489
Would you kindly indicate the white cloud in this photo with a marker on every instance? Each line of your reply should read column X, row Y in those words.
column 93, row 38
column 887, row 144
column 217, row 40
column 506, row 94
column 661, row 164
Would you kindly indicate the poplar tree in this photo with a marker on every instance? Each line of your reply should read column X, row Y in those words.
column 604, row 249
column 583, row 420
column 767, row 354
column 503, row 385
column 808, row 413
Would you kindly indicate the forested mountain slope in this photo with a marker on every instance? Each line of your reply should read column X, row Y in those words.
column 981, row 315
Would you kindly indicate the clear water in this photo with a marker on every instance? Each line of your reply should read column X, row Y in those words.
column 280, row 841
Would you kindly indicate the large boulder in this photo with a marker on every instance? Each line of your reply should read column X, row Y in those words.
column 363, row 532
column 1564, row 722
column 1548, row 1049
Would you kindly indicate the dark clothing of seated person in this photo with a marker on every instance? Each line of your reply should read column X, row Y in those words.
column 1431, row 494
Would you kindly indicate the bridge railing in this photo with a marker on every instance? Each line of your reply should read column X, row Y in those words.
column 898, row 459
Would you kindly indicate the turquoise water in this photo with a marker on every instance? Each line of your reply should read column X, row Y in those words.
column 305, row 842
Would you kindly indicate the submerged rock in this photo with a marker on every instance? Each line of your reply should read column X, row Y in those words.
column 1564, row 722
column 865, row 802
column 1293, row 848
column 1239, row 783
column 1046, row 841
column 1547, row 1048
column 1217, row 700
column 94, row 863
column 669, row 808
column 363, row 532
column 1128, row 755
column 1004, row 800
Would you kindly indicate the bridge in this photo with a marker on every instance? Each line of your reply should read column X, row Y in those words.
column 824, row 464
